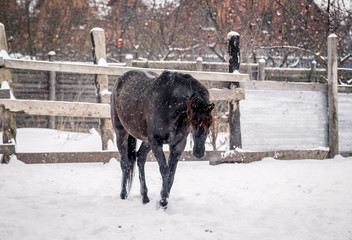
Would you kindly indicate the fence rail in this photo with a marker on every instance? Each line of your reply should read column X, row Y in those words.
column 84, row 68
column 57, row 108
column 83, row 109
column 256, row 71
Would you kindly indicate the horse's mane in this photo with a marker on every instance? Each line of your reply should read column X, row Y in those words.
column 199, row 112
column 176, row 78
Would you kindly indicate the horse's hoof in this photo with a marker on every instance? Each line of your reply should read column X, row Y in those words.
column 123, row 196
column 146, row 200
column 161, row 206
column 163, row 203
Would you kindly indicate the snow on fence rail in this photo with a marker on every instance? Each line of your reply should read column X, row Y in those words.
column 84, row 68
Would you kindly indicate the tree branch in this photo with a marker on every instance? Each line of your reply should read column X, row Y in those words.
column 344, row 59
column 317, row 56
column 293, row 16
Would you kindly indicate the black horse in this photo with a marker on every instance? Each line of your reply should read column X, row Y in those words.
column 158, row 110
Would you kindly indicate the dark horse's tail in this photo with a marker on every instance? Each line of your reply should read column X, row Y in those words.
column 132, row 161
column 127, row 167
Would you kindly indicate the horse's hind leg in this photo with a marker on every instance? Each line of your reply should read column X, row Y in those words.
column 126, row 145
column 141, row 159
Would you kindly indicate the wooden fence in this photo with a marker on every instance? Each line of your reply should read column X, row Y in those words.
column 29, row 84
column 101, row 109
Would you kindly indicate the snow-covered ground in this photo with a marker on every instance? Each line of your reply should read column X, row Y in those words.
column 49, row 140
column 271, row 199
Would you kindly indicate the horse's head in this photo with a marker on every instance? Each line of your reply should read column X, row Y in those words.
column 200, row 119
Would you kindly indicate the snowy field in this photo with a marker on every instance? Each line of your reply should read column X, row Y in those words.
column 271, row 199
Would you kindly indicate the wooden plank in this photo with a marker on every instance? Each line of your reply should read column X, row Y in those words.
column 82, row 109
column 98, row 44
column 8, row 128
column 3, row 39
column 248, row 157
column 261, row 70
column 57, row 108
column 7, row 119
column 214, row 157
column 189, row 65
column 4, row 93
column 346, row 154
column 292, row 74
column 68, row 157
column 344, row 89
column 52, row 89
column 283, row 86
column 284, row 120
column 333, row 96
column 345, row 122
column 215, row 94
column 101, row 82
column 99, row 156
column 235, row 125
column 84, row 68
column 215, row 76
column 7, row 149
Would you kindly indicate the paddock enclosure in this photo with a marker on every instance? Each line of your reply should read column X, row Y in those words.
column 291, row 116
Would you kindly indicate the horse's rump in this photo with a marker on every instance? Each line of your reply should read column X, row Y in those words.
column 130, row 96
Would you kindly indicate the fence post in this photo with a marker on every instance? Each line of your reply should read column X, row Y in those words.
column 234, row 51
column 101, row 82
column 234, row 106
column 261, row 69
column 333, row 96
column 199, row 64
column 8, row 120
column 313, row 71
column 52, row 88
column 5, row 74
column 129, row 59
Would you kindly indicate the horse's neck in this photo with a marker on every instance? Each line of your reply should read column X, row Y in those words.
column 192, row 88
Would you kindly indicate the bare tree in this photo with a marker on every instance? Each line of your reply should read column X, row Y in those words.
column 305, row 28
column 178, row 29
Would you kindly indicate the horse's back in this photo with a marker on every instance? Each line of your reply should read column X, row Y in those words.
column 133, row 83
column 129, row 99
